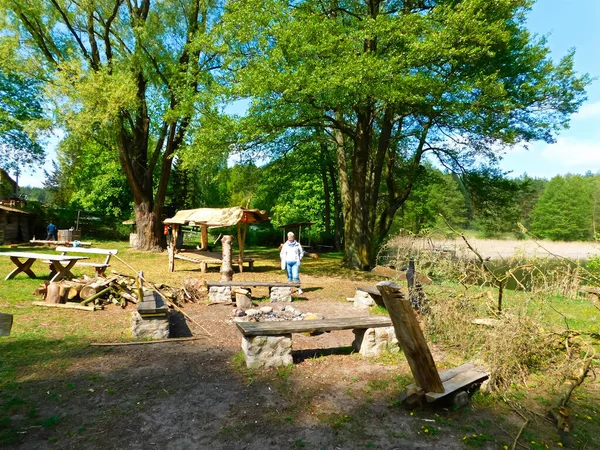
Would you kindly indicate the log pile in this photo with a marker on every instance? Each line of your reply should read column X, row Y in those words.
column 92, row 294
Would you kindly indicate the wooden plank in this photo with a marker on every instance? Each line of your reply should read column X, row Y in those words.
column 68, row 306
column 48, row 256
column 458, row 382
column 410, row 337
column 96, row 251
column 6, row 321
column 252, row 283
column 304, row 326
column 448, row 374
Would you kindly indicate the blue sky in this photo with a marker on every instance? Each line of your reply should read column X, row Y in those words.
column 567, row 24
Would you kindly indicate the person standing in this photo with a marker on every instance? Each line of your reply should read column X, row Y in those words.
column 291, row 254
column 52, row 232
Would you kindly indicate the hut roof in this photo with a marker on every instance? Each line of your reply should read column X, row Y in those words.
column 218, row 217
column 14, row 210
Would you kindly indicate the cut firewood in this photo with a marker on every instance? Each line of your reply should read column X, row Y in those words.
column 96, row 296
column 92, row 288
column 53, row 294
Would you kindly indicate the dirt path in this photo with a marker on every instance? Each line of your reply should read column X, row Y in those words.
column 199, row 395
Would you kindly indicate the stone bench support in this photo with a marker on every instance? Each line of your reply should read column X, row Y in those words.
column 267, row 351
column 373, row 342
column 280, row 294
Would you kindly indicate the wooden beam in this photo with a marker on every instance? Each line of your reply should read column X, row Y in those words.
column 252, row 283
column 67, row 306
column 410, row 337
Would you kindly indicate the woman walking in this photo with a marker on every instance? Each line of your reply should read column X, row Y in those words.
column 291, row 254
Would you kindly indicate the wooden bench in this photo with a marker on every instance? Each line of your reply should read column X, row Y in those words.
column 100, row 268
column 275, row 338
column 277, row 289
column 245, row 284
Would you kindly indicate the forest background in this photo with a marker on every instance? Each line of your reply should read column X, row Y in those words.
column 359, row 119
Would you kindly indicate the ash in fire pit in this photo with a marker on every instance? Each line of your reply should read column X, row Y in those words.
column 272, row 313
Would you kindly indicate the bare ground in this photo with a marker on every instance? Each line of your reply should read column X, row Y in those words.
column 198, row 394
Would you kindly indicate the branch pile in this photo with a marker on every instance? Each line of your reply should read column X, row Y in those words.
column 92, row 294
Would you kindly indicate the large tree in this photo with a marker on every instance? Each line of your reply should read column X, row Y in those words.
column 131, row 75
column 393, row 82
column 20, row 109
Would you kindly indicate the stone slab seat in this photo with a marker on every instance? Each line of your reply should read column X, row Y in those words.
column 269, row 344
column 100, row 268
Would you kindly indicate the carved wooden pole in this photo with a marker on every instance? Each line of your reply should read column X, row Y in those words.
column 410, row 337
column 204, row 237
column 226, row 269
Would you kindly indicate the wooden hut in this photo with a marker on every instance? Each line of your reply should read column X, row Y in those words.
column 206, row 218
column 14, row 225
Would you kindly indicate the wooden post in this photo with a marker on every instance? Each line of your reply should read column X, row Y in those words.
column 410, row 337
column 6, row 321
column 240, row 247
column 171, row 247
column 204, row 237
column 226, row 269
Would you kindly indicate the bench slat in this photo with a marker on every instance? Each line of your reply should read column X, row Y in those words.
column 252, row 283
column 303, row 326
column 96, row 251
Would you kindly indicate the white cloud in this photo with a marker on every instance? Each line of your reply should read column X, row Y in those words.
column 588, row 111
column 573, row 153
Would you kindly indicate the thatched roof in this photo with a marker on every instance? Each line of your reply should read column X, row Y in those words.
column 218, row 217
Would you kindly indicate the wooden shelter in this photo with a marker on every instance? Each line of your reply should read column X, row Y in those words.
column 206, row 218
column 14, row 225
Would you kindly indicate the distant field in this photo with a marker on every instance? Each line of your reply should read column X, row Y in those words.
column 500, row 248
column 496, row 248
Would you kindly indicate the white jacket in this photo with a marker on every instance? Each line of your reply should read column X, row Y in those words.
column 291, row 252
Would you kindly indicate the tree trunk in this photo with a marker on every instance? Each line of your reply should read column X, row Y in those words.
column 147, row 224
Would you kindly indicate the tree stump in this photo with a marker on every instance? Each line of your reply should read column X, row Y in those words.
column 243, row 300
column 54, row 293
column 226, row 268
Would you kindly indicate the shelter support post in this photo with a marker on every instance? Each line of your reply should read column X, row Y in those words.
column 204, row 237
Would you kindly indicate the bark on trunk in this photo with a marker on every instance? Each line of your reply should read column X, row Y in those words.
column 148, row 226
column 226, row 269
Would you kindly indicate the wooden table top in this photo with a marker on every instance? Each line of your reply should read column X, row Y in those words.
column 48, row 256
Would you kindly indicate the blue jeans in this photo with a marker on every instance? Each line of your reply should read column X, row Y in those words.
column 293, row 271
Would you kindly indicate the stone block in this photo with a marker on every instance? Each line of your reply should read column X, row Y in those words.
column 280, row 294
column 372, row 342
column 219, row 294
column 267, row 351
column 156, row 327
column 363, row 300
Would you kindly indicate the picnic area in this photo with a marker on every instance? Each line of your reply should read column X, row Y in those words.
column 62, row 387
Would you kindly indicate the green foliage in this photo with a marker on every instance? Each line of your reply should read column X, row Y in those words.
column 438, row 194
column 564, row 210
column 20, row 113
column 389, row 85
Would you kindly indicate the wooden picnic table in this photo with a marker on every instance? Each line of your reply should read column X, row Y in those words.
column 57, row 262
